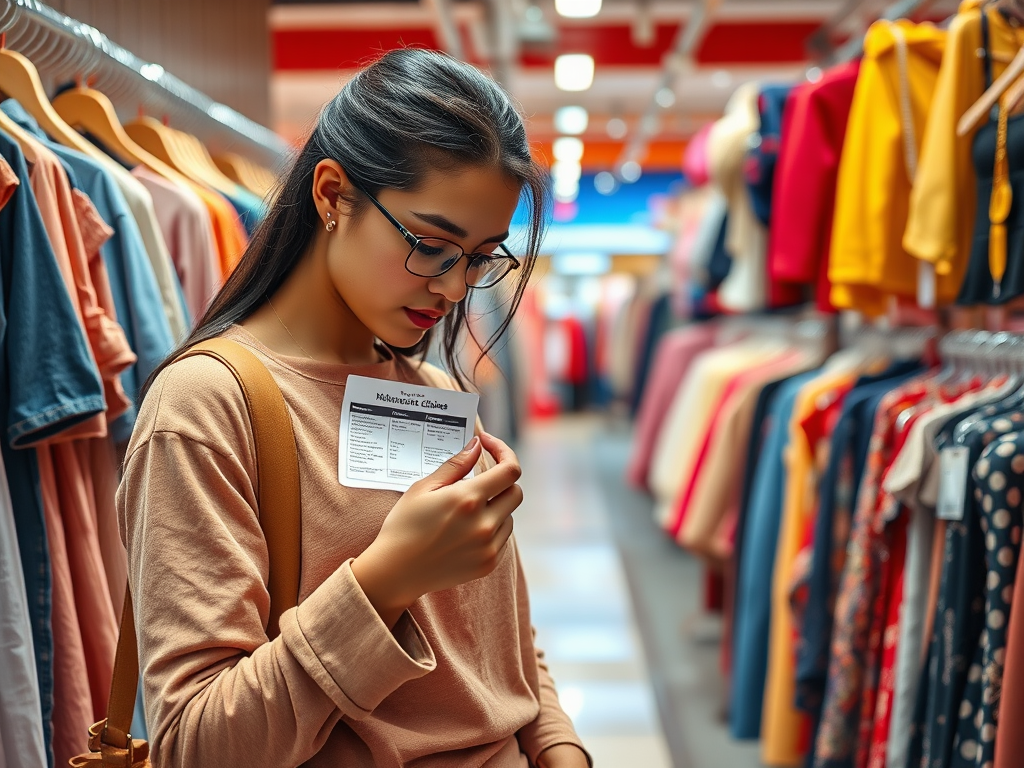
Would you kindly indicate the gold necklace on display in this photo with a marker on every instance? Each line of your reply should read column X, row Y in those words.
column 296, row 341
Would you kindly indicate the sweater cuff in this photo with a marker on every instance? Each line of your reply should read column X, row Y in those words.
column 532, row 751
column 341, row 642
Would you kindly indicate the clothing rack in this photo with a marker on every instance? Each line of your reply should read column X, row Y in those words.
column 64, row 49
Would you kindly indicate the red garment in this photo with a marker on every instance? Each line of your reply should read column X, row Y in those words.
column 813, row 130
column 892, row 596
column 876, row 711
column 577, row 337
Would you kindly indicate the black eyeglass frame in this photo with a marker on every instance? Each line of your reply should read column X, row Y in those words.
column 414, row 242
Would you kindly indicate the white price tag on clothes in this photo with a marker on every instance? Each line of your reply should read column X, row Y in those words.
column 393, row 434
column 953, row 469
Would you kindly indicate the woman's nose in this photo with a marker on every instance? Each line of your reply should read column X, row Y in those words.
column 452, row 284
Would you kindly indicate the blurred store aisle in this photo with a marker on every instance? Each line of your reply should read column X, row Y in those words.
column 643, row 694
column 580, row 601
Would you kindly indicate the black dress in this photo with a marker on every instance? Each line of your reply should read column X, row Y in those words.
column 978, row 286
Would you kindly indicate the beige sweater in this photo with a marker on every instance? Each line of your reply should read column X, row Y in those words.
column 458, row 682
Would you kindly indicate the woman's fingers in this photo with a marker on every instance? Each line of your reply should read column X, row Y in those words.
column 491, row 482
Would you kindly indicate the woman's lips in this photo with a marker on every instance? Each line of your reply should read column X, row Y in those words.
column 422, row 319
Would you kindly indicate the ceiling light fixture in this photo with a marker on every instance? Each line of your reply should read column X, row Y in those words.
column 566, row 190
column 566, row 169
column 574, row 71
column 617, row 128
column 568, row 148
column 605, row 183
column 630, row 171
column 665, row 97
column 578, row 9
column 571, row 120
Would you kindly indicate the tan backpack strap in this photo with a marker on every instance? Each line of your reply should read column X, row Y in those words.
column 277, row 476
column 277, row 470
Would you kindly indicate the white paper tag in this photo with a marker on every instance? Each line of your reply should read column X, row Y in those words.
column 953, row 469
column 393, row 434
column 926, row 285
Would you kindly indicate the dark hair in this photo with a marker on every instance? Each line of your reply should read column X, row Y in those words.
column 409, row 112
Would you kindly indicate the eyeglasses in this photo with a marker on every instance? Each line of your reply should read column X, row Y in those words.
column 433, row 256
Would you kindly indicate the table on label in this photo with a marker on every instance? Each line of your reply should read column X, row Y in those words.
column 395, row 444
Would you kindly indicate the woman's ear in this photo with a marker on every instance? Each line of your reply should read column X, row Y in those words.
column 331, row 188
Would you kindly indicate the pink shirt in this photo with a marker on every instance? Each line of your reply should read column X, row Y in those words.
column 671, row 361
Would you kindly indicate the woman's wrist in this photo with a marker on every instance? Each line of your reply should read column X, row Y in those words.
column 380, row 588
column 563, row 756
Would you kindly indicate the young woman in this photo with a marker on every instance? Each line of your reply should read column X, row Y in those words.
column 412, row 644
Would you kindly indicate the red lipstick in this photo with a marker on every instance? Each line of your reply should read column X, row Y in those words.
column 423, row 318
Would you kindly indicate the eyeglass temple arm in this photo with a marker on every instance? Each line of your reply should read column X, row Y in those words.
column 410, row 238
column 510, row 255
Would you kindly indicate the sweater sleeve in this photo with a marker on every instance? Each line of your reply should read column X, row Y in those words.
column 217, row 691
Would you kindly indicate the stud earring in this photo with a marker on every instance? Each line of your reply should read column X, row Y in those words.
column 331, row 224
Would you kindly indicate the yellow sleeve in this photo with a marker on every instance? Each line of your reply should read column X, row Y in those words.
column 865, row 187
column 941, row 220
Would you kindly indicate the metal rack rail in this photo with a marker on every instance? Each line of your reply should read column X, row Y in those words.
column 63, row 49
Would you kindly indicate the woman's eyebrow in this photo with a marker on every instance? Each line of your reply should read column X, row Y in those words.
column 439, row 221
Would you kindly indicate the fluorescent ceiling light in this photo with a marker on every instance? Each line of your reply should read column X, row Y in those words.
column 568, row 148
column 566, row 169
column 571, row 120
column 578, row 9
column 574, row 71
column 566, row 188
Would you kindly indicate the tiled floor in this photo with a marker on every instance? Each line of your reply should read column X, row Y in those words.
column 580, row 602
column 616, row 606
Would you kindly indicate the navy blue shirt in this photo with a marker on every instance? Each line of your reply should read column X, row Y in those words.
column 847, row 454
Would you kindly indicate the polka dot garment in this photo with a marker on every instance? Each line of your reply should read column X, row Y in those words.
column 999, row 485
column 960, row 611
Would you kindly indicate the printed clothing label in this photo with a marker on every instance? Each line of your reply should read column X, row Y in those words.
column 953, row 469
column 393, row 434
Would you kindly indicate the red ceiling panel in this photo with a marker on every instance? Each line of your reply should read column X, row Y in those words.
column 610, row 45
column 312, row 49
column 749, row 43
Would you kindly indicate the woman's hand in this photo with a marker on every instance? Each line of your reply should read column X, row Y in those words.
column 562, row 756
column 443, row 531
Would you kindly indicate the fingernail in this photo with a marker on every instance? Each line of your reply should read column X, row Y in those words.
column 471, row 444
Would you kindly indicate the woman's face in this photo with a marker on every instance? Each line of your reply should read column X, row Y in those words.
column 366, row 256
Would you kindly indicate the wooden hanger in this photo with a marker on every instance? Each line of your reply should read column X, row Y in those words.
column 160, row 141
column 92, row 111
column 238, row 170
column 1014, row 96
column 201, row 156
column 980, row 110
column 19, row 80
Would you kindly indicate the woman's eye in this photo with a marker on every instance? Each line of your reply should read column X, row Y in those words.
column 429, row 250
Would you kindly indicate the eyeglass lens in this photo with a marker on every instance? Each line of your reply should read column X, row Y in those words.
column 433, row 257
